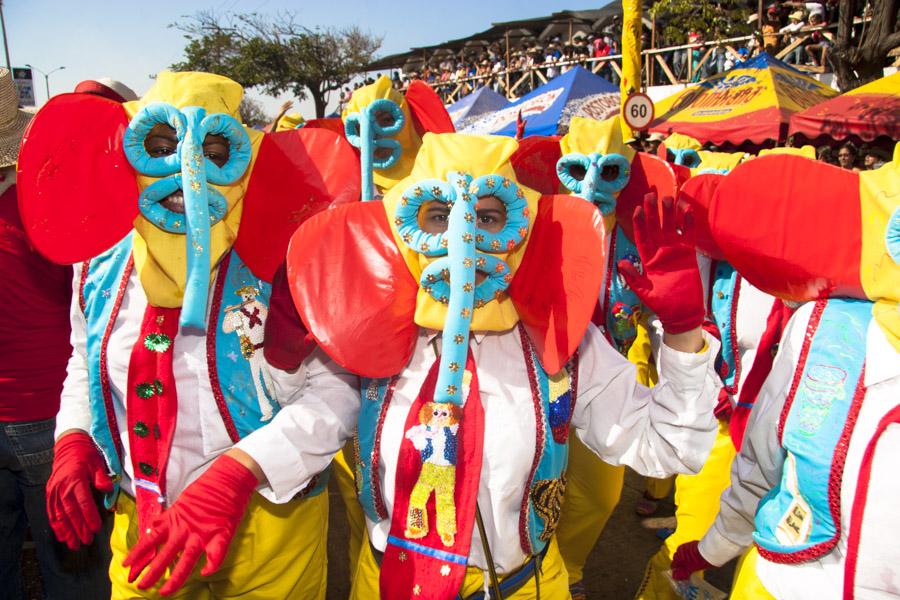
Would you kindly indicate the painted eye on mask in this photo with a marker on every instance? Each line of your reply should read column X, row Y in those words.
column 490, row 215
column 686, row 157
column 594, row 177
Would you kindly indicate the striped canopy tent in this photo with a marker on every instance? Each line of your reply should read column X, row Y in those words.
column 753, row 102
column 867, row 112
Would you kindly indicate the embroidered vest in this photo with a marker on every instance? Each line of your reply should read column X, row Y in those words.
column 621, row 305
column 553, row 398
column 238, row 374
column 800, row 518
column 723, row 303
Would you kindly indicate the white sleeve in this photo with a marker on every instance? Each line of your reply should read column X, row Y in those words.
column 320, row 406
column 757, row 469
column 658, row 432
column 75, row 404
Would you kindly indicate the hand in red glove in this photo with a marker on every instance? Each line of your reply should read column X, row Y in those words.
column 71, row 509
column 687, row 560
column 203, row 519
column 670, row 284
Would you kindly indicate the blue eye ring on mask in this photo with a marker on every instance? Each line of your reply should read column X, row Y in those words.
column 390, row 161
column 388, row 106
column 686, row 157
column 513, row 199
column 240, row 150
column 593, row 187
column 892, row 236
column 406, row 217
column 380, row 134
column 497, row 280
column 167, row 220
column 138, row 130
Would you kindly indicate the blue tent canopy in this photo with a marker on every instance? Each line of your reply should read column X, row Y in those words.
column 543, row 107
column 483, row 100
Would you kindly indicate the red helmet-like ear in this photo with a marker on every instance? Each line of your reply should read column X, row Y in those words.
column 296, row 174
column 648, row 174
column 353, row 289
column 698, row 192
column 427, row 109
column 535, row 163
column 78, row 195
column 334, row 124
column 791, row 226
column 556, row 305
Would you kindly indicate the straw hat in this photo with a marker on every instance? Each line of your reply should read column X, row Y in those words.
column 797, row 15
column 13, row 120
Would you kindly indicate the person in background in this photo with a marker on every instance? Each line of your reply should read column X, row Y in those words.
column 873, row 158
column 824, row 154
column 819, row 42
column 795, row 24
column 846, row 157
column 33, row 356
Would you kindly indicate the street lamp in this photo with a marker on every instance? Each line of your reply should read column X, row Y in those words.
column 46, row 76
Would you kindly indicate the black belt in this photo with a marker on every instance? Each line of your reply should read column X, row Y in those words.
column 509, row 585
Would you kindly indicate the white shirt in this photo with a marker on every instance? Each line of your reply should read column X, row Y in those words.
column 658, row 432
column 200, row 435
column 758, row 467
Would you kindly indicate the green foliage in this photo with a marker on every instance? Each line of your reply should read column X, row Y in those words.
column 712, row 19
column 277, row 54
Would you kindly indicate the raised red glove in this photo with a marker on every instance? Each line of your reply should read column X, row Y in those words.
column 202, row 520
column 71, row 509
column 687, row 560
column 670, row 284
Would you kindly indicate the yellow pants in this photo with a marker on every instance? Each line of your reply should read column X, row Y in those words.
column 697, row 504
column 593, row 488
column 441, row 480
column 278, row 551
column 343, row 474
column 554, row 583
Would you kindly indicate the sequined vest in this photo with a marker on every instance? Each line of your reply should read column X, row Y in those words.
column 800, row 518
column 553, row 397
column 234, row 348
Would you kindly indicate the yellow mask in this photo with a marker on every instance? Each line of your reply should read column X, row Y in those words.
column 407, row 139
column 176, row 253
column 443, row 160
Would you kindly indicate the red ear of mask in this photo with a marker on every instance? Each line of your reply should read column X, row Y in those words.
column 791, row 226
column 535, row 163
column 353, row 290
column 78, row 195
column 333, row 124
column 427, row 109
column 297, row 173
column 556, row 304
column 698, row 192
column 648, row 174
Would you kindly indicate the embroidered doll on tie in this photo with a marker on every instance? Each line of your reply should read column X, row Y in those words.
column 247, row 321
column 435, row 439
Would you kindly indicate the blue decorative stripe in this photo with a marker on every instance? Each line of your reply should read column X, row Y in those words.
column 147, row 485
column 745, row 404
column 432, row 552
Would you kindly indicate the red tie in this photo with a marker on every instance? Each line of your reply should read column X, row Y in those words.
column 438, row 471
column 152, row 407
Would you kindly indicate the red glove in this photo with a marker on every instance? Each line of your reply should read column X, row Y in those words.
column 203, row 519
column 688, row 559
column 71, row 509
column 670, row 284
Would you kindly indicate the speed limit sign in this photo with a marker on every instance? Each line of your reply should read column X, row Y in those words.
column 638, row 110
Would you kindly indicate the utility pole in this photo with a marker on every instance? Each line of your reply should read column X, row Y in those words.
column 5, row 44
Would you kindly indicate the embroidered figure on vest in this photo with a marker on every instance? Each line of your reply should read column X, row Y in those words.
column 435, row 439
column 247, row 320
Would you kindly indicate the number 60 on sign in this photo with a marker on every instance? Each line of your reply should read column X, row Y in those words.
column 638, row 110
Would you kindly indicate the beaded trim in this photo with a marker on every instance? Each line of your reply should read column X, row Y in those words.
column 814, row 319
column 212, row 367
column 735, row 351
column 104, row 361
column 82, row 301
column 859, row 501
column 377, row 497
column 524, row 534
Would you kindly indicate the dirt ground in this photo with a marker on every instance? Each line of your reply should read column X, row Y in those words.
column 613, row 572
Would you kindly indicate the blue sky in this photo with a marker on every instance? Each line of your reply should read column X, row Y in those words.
column 129, row 40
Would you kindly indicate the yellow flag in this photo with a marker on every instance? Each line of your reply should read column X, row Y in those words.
column 631, row 54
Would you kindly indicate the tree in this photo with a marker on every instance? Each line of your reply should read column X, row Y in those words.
column 719, row 19
column 252, row 113
column 277, row 55
column 861, row 59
